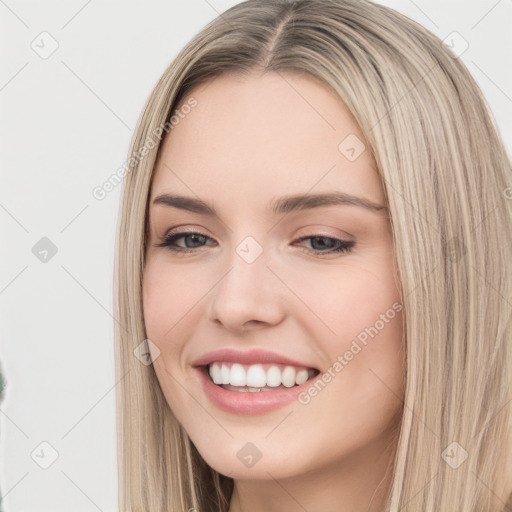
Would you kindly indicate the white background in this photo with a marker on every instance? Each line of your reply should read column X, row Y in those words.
column 66, row 122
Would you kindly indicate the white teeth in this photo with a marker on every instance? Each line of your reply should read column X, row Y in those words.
column 255, row 377
column 302, row 376
column 237, row 375
column 224, row 374
column 273, row 377
column 215, row 373
column 288, row 376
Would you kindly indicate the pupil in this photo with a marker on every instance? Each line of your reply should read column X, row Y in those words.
column 322, row 245
column 194, row 237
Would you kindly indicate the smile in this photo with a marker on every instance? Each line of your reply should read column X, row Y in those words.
column 233, row 379
column 258, row 377
column 253, row 400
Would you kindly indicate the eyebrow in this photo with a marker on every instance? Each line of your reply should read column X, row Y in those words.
column 281, row 205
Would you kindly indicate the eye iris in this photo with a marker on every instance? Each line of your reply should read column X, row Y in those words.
column 323, row 245
column 196, row 237
column 319, row 244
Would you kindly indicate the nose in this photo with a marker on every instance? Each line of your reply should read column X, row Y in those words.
column 248, row 296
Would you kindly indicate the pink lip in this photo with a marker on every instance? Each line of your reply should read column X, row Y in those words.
column 246, row 357
column 240, row 402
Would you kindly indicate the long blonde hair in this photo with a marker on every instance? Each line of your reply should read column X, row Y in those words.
column 444, row 171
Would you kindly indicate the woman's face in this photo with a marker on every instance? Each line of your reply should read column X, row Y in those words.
column 286, row 289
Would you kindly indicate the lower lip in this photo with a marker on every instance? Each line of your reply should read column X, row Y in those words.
column 242, row 402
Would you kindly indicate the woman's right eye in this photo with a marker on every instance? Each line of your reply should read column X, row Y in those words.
column 194, row 238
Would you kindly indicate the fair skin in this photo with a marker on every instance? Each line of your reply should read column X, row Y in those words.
column 248, row 141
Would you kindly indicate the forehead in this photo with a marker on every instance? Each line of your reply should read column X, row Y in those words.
column 262, row 135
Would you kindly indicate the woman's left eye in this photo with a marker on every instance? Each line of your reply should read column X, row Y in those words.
column 324, row 244
column 334, row 245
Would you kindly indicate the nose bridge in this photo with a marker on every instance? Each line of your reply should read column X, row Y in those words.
column 248, row 291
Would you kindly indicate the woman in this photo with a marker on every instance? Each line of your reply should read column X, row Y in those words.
column 313, row 273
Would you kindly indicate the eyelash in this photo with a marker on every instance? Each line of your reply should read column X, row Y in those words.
column 168, row 241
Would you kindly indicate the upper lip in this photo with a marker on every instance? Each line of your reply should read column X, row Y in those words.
column 246, row 357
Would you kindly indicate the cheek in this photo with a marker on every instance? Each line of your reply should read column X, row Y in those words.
column 360, row 333
column 344, row 300
column 363, row 390
column 167, row 304
column 162, row 311
column 168, row 298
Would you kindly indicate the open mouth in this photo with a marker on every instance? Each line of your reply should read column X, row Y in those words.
column 255, row 378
